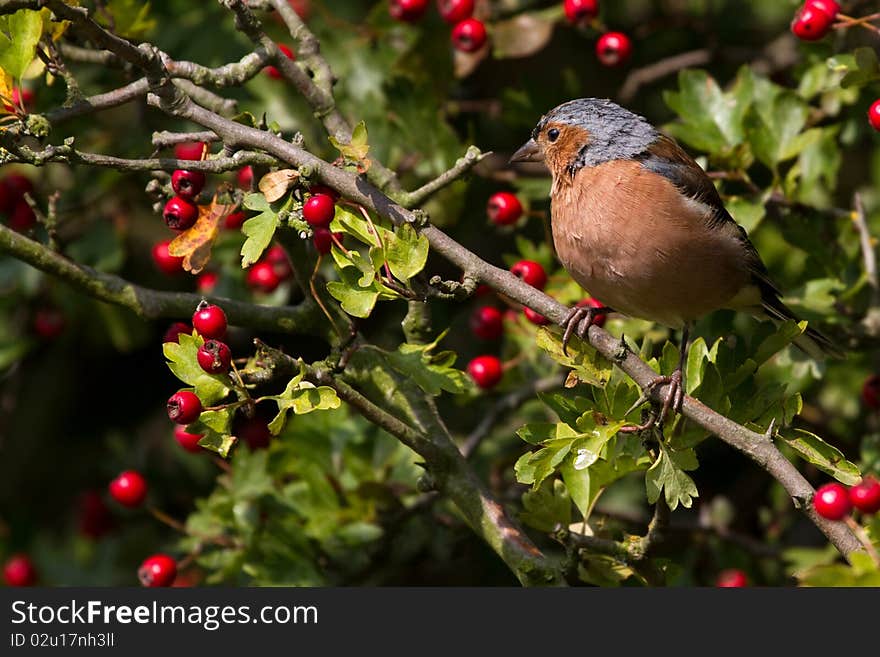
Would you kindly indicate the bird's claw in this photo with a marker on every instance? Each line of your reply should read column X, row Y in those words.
column 577, row 322
column 673, row 401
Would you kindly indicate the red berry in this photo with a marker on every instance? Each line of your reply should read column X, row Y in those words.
column 245, row 178
column 209, row 321
column 486, row 371
column 184, row 407
column 581, row 11
column 22, row 217
column 277, row 257
column 206, row 282
column 190, row 150
column 871, row 391
column 504, row 209
column 486, row 323
column 49, row 323
column 874, row 115
column 323, row 189
column 531, row 272
column 323, row 240
column 19, row 571
column 865, row 496
column 164, row 261
column 732, row 579
column 174, row 331
column 129, row 489
column 832, row 501
column 20, row 98
column 262, row 277
column 252, row 430
column 187, row 184
column 469, row 35
column 272, row 71
column 829, row 7
column 235, row 220
column 214, row 357
column 157, row 570
column 598, row 320
column 455, row 11
column 408, row 11
column 13, row 187
column 535, row 317
column 811, row 23
column 189, row 441
column 95, row 518
column 318, row 210
column 180, row 214
column 613, row 48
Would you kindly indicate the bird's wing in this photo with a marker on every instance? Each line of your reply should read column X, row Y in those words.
column 666, row 158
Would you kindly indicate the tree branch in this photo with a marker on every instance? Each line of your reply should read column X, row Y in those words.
column 153, row 304
column 464, row 164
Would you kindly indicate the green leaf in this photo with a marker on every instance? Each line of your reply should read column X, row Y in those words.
column 255, row 201
column 866, row 71
column 355, row 151
column 222, row 444
column 406, row 252
column 774, row 127
column 19, row 34
column 548, row 507
column 588, row 364
column 747, row 214
column 667, row 475
column 183, row 363
column 259, row 231
column 784, row 336
column 250, row 478
column 826, row 457
column 301, row 397
column 431, row 372
column 357, row 301
column 128, row 18
column 354, row 225
column 712, row 120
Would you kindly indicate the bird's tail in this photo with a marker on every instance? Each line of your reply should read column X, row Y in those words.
column 811, row 341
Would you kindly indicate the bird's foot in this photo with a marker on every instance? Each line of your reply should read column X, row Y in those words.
column 578, row 321
column 673, row 401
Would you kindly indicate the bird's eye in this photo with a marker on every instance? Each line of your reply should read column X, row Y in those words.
column 552, row 134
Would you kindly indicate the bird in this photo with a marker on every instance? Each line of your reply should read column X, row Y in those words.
column 638, row 223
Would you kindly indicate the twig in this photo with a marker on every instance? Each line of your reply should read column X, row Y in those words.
column 153, row 304
column 165, row 138
column 653, row 72
column 509, row 402
column 869, row 255
column 464, row 164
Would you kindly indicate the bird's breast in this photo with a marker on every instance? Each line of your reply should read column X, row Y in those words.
column 632, row 240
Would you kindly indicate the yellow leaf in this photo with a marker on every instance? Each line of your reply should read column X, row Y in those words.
column 274, row 185
column 5, row 91
column 194, row 245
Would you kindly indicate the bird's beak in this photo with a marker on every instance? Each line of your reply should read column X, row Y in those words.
column 529, row 152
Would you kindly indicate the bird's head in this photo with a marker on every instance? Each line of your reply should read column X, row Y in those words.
column 586, row 132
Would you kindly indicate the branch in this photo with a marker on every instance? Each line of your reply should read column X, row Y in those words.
column 69, row 155
column 867, row 245
column 509, row 402
column 454, row 477
column 153, row 304
column 165, row 138
column 318, row 91
column 464, row 164
column 653, row 72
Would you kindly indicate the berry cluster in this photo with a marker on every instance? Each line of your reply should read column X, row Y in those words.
column 834, row 501
column 13, row 205
column 468, row 33
column 612, row 48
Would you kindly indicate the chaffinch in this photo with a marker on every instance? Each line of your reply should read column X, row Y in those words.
column 639, row 224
